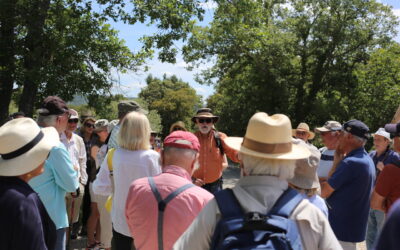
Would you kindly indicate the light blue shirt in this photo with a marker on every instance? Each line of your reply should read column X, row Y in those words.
column 113, row 141
column 58, row 178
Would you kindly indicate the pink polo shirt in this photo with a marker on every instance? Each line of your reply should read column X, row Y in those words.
column 142, row 209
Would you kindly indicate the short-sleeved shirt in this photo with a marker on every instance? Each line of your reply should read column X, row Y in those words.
column 24, row 222
column 349, row 204
column 389, row 157
column 389, row 238
column 326, row 161
column 388, row 184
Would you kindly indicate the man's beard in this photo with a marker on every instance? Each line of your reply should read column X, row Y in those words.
column 205, row 129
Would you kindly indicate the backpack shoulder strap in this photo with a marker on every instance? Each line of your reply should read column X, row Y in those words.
column 162, row 204
column 286, row 203
column 110, row 156
column 228, row 204
column 217, row 139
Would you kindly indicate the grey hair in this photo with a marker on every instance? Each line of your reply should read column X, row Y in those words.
column 47, row 120
column 182, row 153
column 283, row 169
column 358, row 139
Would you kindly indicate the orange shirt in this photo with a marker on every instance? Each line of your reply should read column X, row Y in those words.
column 210, row 158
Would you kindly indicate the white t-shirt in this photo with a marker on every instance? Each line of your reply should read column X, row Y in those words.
column 325, row 164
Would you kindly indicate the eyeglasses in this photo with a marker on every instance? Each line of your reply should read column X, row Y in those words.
column 89, row 125
column 177, row 128
column 301, row 133
column 205, row 120
column 75, row 120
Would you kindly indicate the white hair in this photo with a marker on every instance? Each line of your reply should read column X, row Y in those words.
column 358, row 139
column 47, row 120
column 182, row 153
column 283, row 169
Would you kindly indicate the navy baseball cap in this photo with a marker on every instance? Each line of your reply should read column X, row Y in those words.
column 357, row 128
column 393, row 128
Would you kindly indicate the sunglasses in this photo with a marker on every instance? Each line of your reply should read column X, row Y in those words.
column 73, row 120
column 89, row 125
column 204, row 120
column 301, row 133
column 177, row 128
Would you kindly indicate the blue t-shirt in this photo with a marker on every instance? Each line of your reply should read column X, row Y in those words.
column 389, row 157
column 349, row 204
column 389, row 238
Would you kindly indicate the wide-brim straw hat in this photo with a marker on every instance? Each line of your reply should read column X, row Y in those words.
column 305, row 128
column 205, row 113
column 268, row 137
column 179, row 124
column 24, row 146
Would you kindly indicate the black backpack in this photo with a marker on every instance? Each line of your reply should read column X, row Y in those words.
column 253, row 230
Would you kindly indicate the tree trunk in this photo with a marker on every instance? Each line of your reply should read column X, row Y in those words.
column 33, row 59
column 7, row 51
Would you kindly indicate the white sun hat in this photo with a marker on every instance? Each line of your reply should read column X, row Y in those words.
column 24, row 146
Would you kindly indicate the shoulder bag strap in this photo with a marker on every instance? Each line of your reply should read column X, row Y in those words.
column 110, row 156
column 286, row 203
column 228, row 204
column 162, row 205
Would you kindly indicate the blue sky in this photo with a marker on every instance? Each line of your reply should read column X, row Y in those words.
column 131, row 83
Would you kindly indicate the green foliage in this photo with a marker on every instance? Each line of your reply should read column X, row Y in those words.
column 294, row 57
column 173, row 99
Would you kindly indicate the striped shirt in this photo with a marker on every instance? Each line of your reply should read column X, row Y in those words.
column 325, row 164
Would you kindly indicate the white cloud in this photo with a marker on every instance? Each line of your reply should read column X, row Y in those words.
column 200, row 90
column 209, row 5
column 396, row 12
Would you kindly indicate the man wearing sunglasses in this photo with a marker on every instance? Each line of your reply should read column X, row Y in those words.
column 76, row 149
column 212, row 151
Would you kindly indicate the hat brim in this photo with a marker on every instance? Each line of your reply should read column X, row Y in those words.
column 74, row 117
column 312, row 134
column 297, row 152
column 321, row 129
column 29, row 161
column 215, row 118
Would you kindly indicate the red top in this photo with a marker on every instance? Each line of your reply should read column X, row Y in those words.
column 388, row 185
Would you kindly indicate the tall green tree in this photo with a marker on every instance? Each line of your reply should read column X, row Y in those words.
column 173, row 99
column 66, row 47
column 291, row 57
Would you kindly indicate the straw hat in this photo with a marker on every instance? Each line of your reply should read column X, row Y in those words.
column 268, row 137
column 205, row 113
column 179, row 124
column 24, row 146
column 305, row 128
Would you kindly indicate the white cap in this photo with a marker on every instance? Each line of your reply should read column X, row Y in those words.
column 382, row 132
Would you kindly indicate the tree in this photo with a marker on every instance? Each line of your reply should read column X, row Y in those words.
column 295, row 57
column 173, row 99
column 65, row 47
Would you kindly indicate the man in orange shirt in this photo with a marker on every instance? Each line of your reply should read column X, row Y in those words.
column 212, row 151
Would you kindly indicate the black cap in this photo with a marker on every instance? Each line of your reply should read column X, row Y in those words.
column 393, row 128
column 53, row 105
column 357, row 128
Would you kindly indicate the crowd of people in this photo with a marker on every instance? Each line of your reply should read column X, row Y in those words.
column 62, row 176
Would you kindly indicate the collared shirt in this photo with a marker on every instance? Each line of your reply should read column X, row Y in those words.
column 113, row 141
column 76, row 149
column 259, row 194
column 58, row 178
column 388, row 185
column 142, row 208
column 210, row 158
column 24, row 222
column 127, row 166
column 352, row 181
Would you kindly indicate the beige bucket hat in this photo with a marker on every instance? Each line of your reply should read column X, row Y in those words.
column 305, row 128
column 268, row 137
column 305, row 175
column 24, row 146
